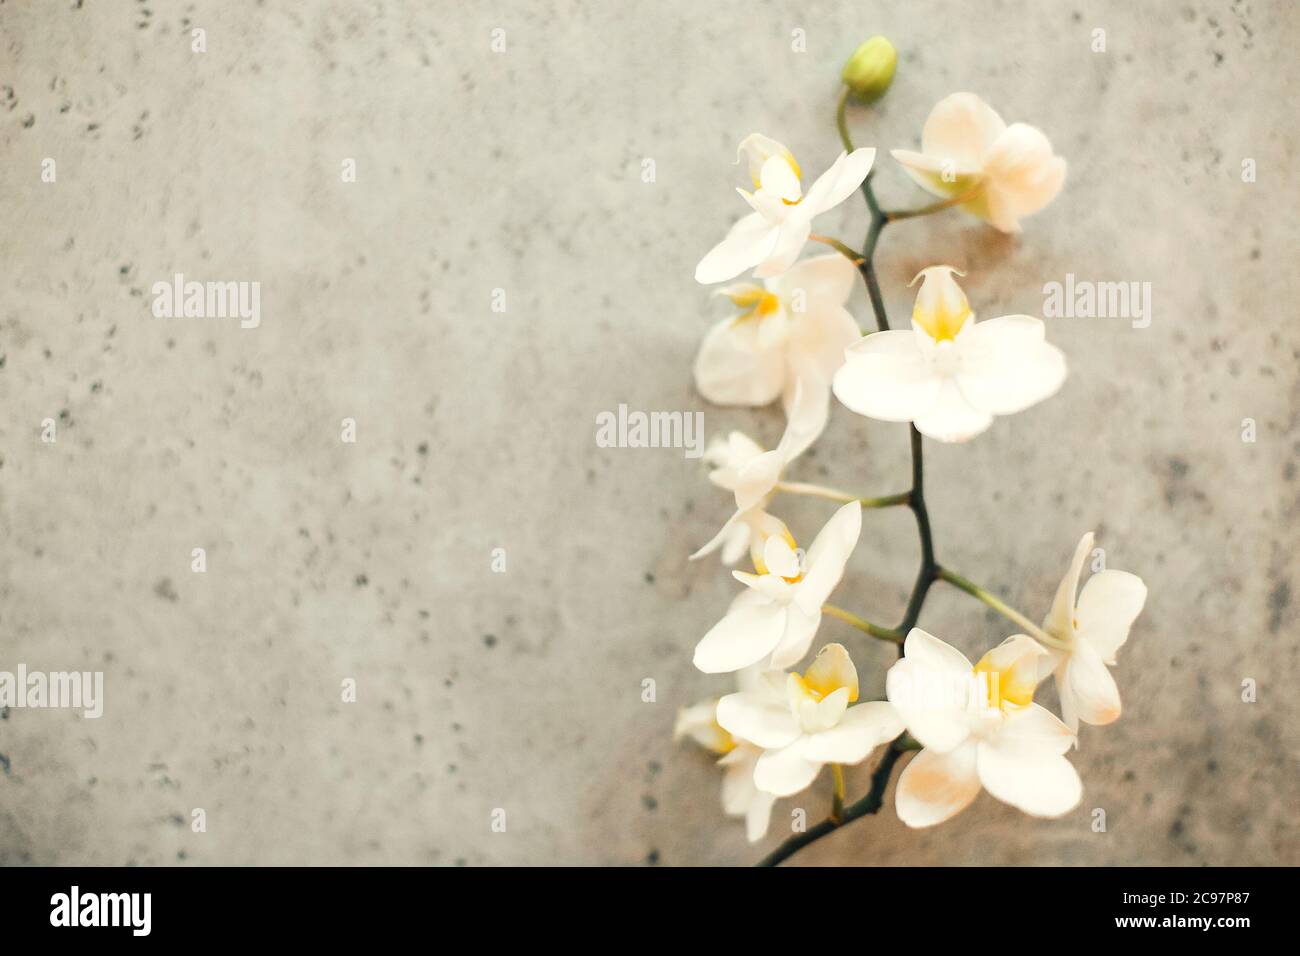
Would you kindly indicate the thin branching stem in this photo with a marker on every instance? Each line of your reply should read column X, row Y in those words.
column 844, row 497
column 1001, row 606
column 871, row 803
column 862, row 624
column 894, row 215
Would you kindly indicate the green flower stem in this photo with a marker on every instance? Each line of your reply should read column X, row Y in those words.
column 841, row 121
column 1006, row 610
column 893, row 215
column 875, row 630
column 847, row 251
column 820, row 491
column 837, row 792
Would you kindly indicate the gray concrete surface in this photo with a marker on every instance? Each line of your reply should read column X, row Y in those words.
column 521, row 171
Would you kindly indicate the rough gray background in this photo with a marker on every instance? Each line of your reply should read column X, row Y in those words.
column 522, row 171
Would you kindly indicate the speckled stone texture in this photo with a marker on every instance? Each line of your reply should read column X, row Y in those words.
column 521, row 171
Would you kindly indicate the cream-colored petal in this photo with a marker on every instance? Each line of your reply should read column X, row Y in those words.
column 925, row 650
column 778, row 178
column 1093, row 691
column 1069, row 708
column 1035, row 731
column 770, row 207
column 885, row 376
column 1060, row 619
column 951, row 418
column 735, row 543
column 961, row 128
column 821, row 715
column 1003, row 370
column 931, row 703
column 1042, row 786
column 839, row 182
column 728, row 455
column 1108, row 605
column 722, row 538
column 786, row 771
column 780, row 558
column 759, row 680
column 758, row 816
column 817, row 281
column 807, row 399
column 775, row 589
column 730, row 371
column 738, row 778
column 756, row 149
column 828, row 556
column 1022, row 169
column 818, row 342
column 791, row 238
column 700, row 723
column 800, row 628
column 749, row 242
column 755, row 718
column 861, row 730
column 832, row 669
column 743, row 637
column 757, row 478
column 935, row 786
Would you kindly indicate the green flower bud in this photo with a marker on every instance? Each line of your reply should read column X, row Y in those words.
column 870, row 69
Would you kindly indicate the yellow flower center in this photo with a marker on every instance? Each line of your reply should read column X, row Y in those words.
column 756, row 303
column 1008, row 687
column 944, row 321
column 723, row 742
column 808, row 690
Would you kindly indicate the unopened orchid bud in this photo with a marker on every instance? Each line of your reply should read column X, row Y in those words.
column 870, row 69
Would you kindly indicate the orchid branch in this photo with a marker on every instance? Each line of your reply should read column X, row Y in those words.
column 997, row 604
column 820, row 491
column 894, row 215
column 871, row 803
column 875, row 630
column 781, row 210
column 839, row 247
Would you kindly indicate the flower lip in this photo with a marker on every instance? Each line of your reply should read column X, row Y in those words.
column 941, row 307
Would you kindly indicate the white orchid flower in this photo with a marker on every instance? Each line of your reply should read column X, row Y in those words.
column 980, row 728
column 950, row 375
column 1094, row 630
column 805, row 722
column 1009, row 171
column 699, row 722
column 771, row 237
column 742, row 467
column 740, row 798
column 777, row 615
column 787, row 343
